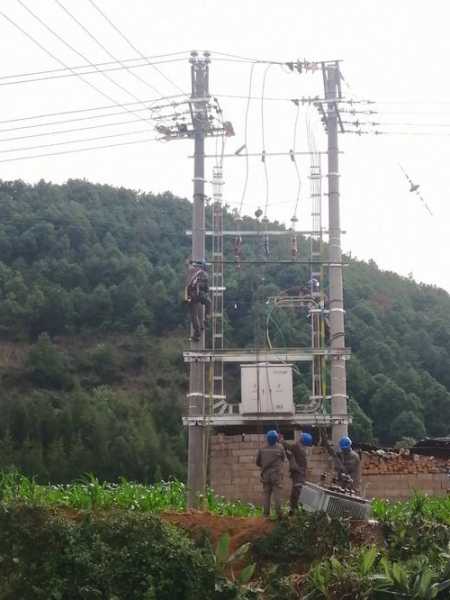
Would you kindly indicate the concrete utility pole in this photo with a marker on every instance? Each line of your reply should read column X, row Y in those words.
column 196, row 432
column 336, row 302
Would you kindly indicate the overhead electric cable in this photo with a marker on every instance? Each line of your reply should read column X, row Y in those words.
column 247, row 110
column 101, row 137
column 65, row 121
column 77, row 150
column 105, row 49
column 302, row 100
column 97, row 70
column 92, row 109
column 297, row 171
column 407, row 133
column 263, row 138
column 72, row 130
column 100, row 64
column 61, row 39
column 132, row 46
column 245, row 59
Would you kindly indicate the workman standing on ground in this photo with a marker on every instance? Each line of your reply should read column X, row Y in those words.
column 270, row 460
column 298, row 465
column 347, row 464
column 197, row 296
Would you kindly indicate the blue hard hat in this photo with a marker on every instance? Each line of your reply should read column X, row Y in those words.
column 200, row 263
column 272, row 437
column 306, row 439
column 345, row 443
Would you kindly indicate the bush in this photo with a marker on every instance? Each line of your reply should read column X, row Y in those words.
column 124, row 556
column 306, row 536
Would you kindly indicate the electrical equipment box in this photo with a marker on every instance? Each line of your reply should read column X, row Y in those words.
column 266, row 388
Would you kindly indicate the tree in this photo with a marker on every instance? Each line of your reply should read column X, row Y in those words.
column 386, row 404
column 407, row 425
column 361, row 428
column 47, row 366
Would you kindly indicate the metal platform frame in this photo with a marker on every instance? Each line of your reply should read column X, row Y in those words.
column 255, row 355
column 297, row 419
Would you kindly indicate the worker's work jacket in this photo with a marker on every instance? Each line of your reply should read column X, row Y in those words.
column 298, row 460
column 196, row 284
column 270, row 460
column 348, row 461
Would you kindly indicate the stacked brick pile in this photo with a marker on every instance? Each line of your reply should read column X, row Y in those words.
column 233, row 472
column 397, row 475
column 377, row 463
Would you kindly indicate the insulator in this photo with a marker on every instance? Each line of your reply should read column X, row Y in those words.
column 237, row 245
column 266, row 246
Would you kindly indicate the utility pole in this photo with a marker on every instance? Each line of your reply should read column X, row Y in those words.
column 196, row 399
column 336, row 301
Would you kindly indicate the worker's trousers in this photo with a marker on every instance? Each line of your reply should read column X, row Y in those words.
column 196, row 309
column 272, row 488
column 297, row 484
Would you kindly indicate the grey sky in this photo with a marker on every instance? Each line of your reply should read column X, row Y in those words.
column 392, row 51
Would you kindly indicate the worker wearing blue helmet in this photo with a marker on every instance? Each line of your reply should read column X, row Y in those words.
column 348, row 463
column 298, row 465
column 270, row 460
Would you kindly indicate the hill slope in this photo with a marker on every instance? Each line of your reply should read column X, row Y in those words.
column 100, row 271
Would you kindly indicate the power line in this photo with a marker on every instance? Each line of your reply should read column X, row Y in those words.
column 100, row 64
column 301, row 100
column 72, row 130
column 377, row 132
column 65, row 121
column 75, row 74
column 412, row 102
column 247, row 110
column 78, row 150
column 39, row 20
column 93, row 139
column 297, row 171
column 263, row 137
column 132, row 46
column 93, row 109
column 103, row 47
column 245, row 59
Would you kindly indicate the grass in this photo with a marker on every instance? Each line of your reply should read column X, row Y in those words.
column 432, row 508
column 90, row 494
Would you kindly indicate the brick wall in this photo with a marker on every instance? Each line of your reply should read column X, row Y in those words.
column 233, row 472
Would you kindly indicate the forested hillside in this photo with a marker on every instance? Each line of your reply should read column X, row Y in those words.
column 92, row 326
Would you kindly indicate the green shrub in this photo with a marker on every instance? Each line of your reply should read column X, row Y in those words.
column 305, row 536
column 125, row 556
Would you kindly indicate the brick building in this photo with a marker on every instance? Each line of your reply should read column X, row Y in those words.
column 234, row 475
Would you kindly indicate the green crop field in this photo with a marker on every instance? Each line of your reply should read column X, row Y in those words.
column 91, row 494
column 91, row 540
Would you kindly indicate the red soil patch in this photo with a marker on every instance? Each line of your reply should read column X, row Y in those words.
column 366, row 533
column 248, row 529
column 240, row 529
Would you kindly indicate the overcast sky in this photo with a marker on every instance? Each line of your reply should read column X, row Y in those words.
column 393, row 52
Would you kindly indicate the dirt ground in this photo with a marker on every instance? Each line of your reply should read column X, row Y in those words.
column 240, row 529
column 248, row 529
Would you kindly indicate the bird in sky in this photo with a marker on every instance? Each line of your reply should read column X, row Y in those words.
column 414, row 188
